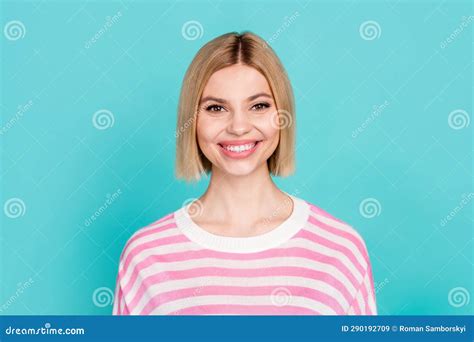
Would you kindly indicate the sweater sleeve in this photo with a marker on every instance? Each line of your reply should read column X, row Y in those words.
column 364, row 302
column 120, row 306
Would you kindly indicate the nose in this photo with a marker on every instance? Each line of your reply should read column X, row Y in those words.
column 239, row 123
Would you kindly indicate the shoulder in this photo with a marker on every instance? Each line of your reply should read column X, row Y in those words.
column 336, row 231
column 151, row 236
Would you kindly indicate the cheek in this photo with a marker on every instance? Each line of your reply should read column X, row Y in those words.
column 272, row 136
column 265, row 125
column 275, row 133
column 206, row 130
column 271, row 133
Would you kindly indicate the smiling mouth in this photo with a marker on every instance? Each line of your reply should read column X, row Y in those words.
column 240, row 148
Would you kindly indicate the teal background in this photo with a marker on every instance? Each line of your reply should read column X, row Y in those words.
column 410, row 158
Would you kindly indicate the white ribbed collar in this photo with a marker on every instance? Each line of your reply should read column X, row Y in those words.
column 271, row 239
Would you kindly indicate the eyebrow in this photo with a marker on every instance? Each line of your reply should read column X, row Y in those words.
column 219, row 100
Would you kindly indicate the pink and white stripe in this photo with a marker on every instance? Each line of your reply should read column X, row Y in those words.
column 323, row 269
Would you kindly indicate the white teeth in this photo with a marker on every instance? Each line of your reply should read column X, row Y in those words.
column 239, row 148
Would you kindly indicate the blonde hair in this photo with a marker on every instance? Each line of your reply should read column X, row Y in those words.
column 224, row 51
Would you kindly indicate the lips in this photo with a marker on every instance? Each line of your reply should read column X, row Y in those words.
column 237, row 142
column 239, row 148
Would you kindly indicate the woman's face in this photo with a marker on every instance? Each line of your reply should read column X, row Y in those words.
column 236, row 127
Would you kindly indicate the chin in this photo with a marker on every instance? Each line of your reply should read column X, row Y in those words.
column 239, row 170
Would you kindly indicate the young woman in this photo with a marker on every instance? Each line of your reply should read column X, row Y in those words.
column 244, row 247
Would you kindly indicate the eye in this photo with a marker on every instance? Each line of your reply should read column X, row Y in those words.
column 261, row 106
column 214, row 108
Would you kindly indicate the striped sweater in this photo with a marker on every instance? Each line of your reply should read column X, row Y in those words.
column 311, row 264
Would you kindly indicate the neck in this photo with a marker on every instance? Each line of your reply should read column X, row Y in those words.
column 241, row 201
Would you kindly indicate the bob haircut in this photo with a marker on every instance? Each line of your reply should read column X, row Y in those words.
column 224, row 51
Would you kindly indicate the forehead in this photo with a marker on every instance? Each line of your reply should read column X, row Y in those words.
column 236, row 81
